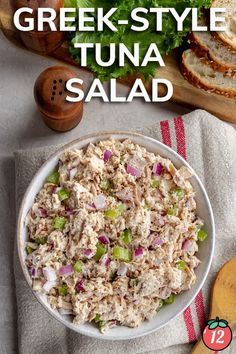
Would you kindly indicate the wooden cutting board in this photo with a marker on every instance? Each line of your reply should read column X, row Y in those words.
column 184, row 93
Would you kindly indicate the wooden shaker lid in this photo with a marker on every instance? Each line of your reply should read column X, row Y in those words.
column 45, row 41
column 50, row 95
column 35, row 4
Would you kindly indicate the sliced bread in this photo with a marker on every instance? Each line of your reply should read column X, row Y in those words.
column 204, row 76
column 228, row 37
column 216, row 54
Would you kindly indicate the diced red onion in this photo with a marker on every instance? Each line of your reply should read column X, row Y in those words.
column 122, row 270
column 107, row 155
column 49, row 285
column 34, row 272
column 157, row 169
column 54, row 188
column 42, row 213
column 91, row 206
column 51, row 246
column 133, row 171
column 73, row 173
column 186, row 245
column 88, row 253
column 49, row 273
column 67, row 212
column 158, row 242
column 104, row 239
column 160, row 220
column 100, row 202
column 66, row 270
column 65, row 312
column 138, row 252
column 125, row 194
column 105, row 260
column 137, row 302
column 79, row 286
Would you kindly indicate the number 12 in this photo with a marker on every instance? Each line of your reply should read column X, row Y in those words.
column 218, row 340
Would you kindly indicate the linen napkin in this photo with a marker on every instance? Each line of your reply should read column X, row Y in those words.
column 209, row 145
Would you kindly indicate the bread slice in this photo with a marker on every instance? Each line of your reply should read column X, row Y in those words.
column 204, row 76
column 216, row 54
column 228, row 37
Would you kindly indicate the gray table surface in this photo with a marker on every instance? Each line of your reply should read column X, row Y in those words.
column 21, row 127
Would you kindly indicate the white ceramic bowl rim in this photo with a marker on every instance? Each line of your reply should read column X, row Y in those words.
column 119, row 135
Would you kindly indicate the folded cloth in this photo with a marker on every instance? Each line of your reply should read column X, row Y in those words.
column 209, row 145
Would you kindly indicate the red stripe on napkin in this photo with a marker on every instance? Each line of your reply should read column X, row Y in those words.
column 181, row 149
column 188, row 319
column 200, row 310
column 180, row 137
column 165, row 132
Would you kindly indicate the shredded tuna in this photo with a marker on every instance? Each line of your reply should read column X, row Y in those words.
column 155, row 213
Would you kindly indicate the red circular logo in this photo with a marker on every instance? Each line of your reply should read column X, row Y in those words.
column 217, row 335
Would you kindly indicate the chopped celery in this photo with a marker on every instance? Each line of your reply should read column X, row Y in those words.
column 54, row 177
column 63, row 194
column 101, row 324
column 147, row 205
column 126, row 236
column 63, row 290
column 113, row 214
column 170, row 300
column 105, row 184
column 161, row 303
column 78, row 267
column 122, row 159
column 120, row 209
column 97, row 318
column 155, row 183
column 121, row 253
column 59, row 223
column 201, row 235
column 178, row 192
column 133, row 282
column 101, row 250
column 173, row 211
column 181, row 265
column 41, row 240
column 29, row 250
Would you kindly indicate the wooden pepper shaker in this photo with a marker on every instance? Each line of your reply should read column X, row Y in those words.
column 45, row 41
column 50, row 95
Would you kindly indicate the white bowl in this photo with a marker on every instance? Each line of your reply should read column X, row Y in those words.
column 205, row 253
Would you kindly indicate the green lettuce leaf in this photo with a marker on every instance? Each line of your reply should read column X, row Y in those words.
column 166, row 40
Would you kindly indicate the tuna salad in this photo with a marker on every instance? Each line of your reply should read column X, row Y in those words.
column 113, row 234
